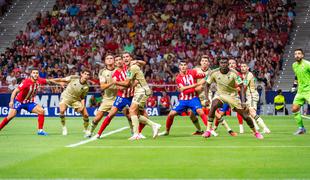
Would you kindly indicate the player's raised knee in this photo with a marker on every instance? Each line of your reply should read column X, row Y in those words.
column 295, row 108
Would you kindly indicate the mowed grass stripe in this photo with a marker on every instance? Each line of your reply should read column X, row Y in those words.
column 287, row 156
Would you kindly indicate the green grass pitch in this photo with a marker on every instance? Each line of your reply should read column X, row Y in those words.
column 178, row 156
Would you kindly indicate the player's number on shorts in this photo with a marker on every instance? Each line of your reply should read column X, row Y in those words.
column 17, row 104
column 118, row 100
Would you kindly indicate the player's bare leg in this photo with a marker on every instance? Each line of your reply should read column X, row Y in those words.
column 6, row 120
column 62, row 109
column 249, row 121
column 259, row 120
column 216, row 103
column 196, row 123
column 40, row 111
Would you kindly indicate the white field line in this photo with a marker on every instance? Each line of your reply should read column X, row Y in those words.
column 123, row 178
column 189, row 147
column 307, row 117
column 94, row 138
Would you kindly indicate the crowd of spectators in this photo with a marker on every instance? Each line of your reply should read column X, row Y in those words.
column 4, row 6
column 77, row 34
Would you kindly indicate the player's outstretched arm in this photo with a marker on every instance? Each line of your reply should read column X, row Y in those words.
column 138, row 62
column 58, row 81
column 104, row 86
column 13, row 95
column 183, row 88
column 55, row 81
column 125, row 83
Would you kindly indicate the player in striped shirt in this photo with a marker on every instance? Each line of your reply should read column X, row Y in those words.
column 135, row 77
column 188, row 97
column 123, row 98
column 23, row 98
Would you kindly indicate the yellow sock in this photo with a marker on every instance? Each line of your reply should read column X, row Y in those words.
column 146, row 121
column 135, row 124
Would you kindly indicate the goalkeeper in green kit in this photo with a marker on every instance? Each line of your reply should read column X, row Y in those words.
column 302, row 71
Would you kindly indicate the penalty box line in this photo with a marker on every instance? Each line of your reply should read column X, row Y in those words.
column 94, row 137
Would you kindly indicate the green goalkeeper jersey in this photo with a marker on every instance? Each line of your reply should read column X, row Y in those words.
column 302, row 72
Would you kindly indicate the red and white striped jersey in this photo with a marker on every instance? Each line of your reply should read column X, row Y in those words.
column 28, row 90
column 188, row 79
column 120, row 75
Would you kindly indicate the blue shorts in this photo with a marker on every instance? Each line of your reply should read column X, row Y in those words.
column 183, row 105
column 120, row 103
column 224, row 108
column 27, row 106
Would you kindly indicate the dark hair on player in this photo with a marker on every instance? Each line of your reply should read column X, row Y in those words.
column 108, row 54
column 126, row 52
column 223, row 59
column 204, row 56
column 118, row 55
column 183, row 61
column 299, row 49
column 86, row 70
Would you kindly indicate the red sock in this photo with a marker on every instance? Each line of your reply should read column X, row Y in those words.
column 206, row 110
column 239, row 118
column 169, row 123
column 104, row 124
column 141, row 126
column 184, row 114
column 216, row 122
column 4, row 122
column 204, row 119
column 40, row 121
column 228, row 113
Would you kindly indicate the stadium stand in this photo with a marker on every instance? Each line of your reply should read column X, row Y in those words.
column 77, row 34
column 299, row 39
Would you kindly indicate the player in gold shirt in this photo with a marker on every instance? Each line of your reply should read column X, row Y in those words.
column 226, row 80
column 204, row 69
column 141, row 93
column 252, row 96
column 109, row 95
column 74, row 96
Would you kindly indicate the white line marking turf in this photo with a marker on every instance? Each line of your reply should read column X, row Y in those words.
column 94, row 138
column 189, row 147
